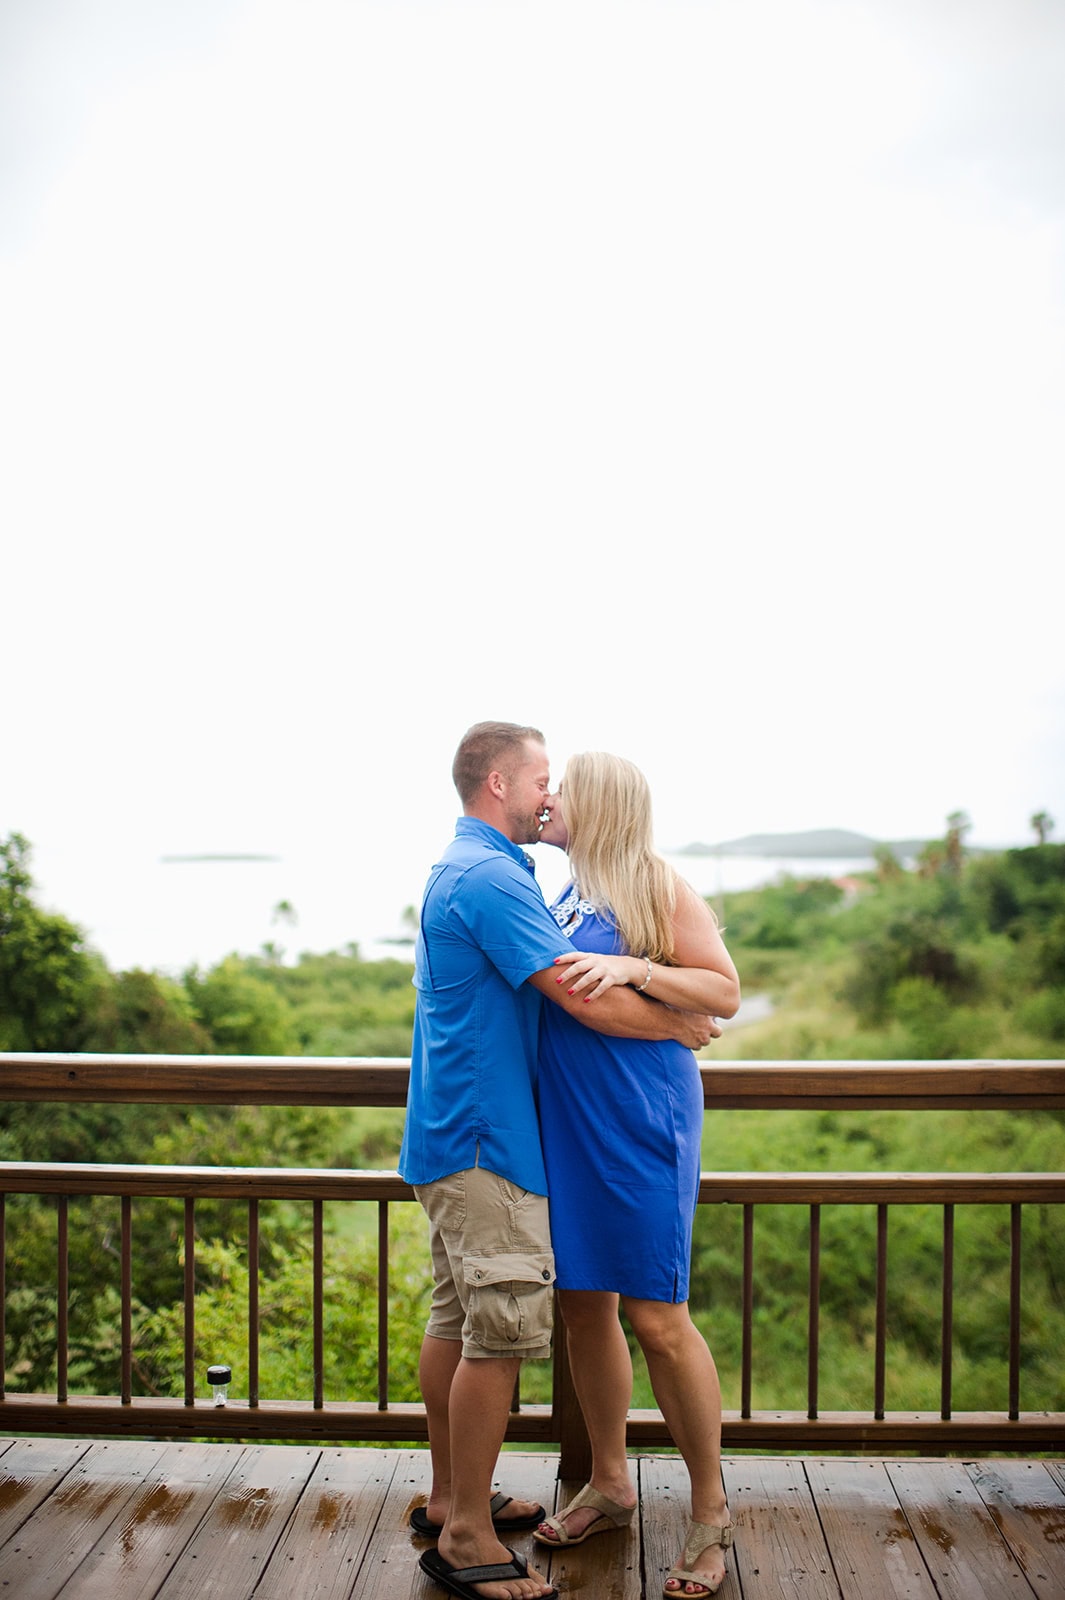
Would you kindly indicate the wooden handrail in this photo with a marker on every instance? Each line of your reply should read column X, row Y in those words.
column 729, row 1188
column 382, row 1081
column 353, row 1421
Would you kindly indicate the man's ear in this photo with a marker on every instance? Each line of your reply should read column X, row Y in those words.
column 496, row 784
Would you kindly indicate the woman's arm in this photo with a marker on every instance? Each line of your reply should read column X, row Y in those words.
column 704, row 978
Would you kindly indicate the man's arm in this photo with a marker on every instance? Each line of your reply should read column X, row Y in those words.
column 625, row 1014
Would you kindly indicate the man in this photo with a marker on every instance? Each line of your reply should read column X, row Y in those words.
column 471, row 1149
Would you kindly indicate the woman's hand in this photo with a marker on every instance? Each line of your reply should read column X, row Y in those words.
column 597, row 974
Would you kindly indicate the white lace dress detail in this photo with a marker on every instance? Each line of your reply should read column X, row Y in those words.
column 570, row 911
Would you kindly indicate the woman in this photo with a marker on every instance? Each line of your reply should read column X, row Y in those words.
column 621, row 1123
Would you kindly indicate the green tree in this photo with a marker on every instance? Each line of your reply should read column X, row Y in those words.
column 143, row 1013
column 888, row 865
column 244, row 1014
column 47, row 976
column 913, row 939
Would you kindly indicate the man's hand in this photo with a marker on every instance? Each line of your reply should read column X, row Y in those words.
column 695, row 1028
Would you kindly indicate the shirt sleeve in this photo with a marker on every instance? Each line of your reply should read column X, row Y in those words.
column 504, row 913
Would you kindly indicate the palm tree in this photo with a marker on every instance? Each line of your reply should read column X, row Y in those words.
column 958, row 825
column 1043, row 823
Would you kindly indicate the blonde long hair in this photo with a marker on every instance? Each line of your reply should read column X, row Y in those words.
column 607, row 806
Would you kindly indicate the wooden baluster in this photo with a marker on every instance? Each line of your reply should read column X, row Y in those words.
column 190, row 1301
column 880, row 1358
column 253, row 1304
column 1015, row 1313
column 317, row 1298
column 382, row 1305
column 814, row 1318
column 748, row 1310
column 62, row 1314
column 948, row 1312
column 3, row 1296
column 127, row 1299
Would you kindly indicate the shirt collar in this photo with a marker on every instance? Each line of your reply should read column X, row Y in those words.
column 473, row 827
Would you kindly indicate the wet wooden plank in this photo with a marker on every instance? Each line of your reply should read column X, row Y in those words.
column 873, row 1550
column 228, row 1554
column 134, row 1557
column 29, row 1471
column 1028, row 1504
column 958, row 1537
column 52, row 1543
column 780, row 1550
column 665, row 1510
column 390, row 1570
column 112, row 1521
column 325, row 1542
column 526, row 1475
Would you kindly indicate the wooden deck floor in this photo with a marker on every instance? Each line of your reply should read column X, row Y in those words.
column 134, row 1521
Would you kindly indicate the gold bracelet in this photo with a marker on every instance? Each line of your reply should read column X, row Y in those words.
column 647, row 980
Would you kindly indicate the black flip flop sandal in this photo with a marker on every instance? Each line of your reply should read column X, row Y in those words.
column 460, row 1580
column 428, row 1529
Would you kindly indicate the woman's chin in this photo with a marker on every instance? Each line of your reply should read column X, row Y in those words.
column 549, row 836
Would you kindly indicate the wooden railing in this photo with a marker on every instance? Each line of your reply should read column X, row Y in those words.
column 173, row 1080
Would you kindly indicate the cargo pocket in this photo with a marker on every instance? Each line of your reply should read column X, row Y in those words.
column 511, row 1303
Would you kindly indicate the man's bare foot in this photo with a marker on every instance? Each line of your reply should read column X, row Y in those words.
column 514, row 1511
column 460, row 1553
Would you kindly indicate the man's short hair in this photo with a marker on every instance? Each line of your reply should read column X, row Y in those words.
column 488, row 747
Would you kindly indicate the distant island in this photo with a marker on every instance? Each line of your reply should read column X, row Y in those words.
column 838, row 843
column 170, row 860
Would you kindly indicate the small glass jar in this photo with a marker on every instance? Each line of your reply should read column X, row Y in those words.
column 220, row 1378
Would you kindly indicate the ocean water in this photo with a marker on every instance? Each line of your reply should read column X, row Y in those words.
column 169, row 915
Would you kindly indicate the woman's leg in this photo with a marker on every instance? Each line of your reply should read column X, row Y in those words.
column 602, row 1376
column 684, row 1379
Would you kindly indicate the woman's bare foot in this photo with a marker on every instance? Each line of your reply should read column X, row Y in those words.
column 578, row 1519
column 703, row 1569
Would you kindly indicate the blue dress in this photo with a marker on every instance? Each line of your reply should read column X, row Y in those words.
column 621, row 1124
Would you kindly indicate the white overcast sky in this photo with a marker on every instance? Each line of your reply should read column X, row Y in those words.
column 686, row 379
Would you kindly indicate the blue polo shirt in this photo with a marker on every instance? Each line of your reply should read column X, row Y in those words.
column 484, row 930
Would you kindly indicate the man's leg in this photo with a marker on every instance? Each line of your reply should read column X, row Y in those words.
column 439, row 1361
column 436, row 1370
column 481, row 1393
column 468, row 1395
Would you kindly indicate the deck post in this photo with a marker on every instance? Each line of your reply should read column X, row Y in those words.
column 575, row 1453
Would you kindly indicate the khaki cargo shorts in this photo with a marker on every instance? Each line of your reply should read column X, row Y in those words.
column 493, row 1267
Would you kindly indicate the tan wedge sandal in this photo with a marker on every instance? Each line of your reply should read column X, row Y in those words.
column 701, row 1536
column 611, row 1516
